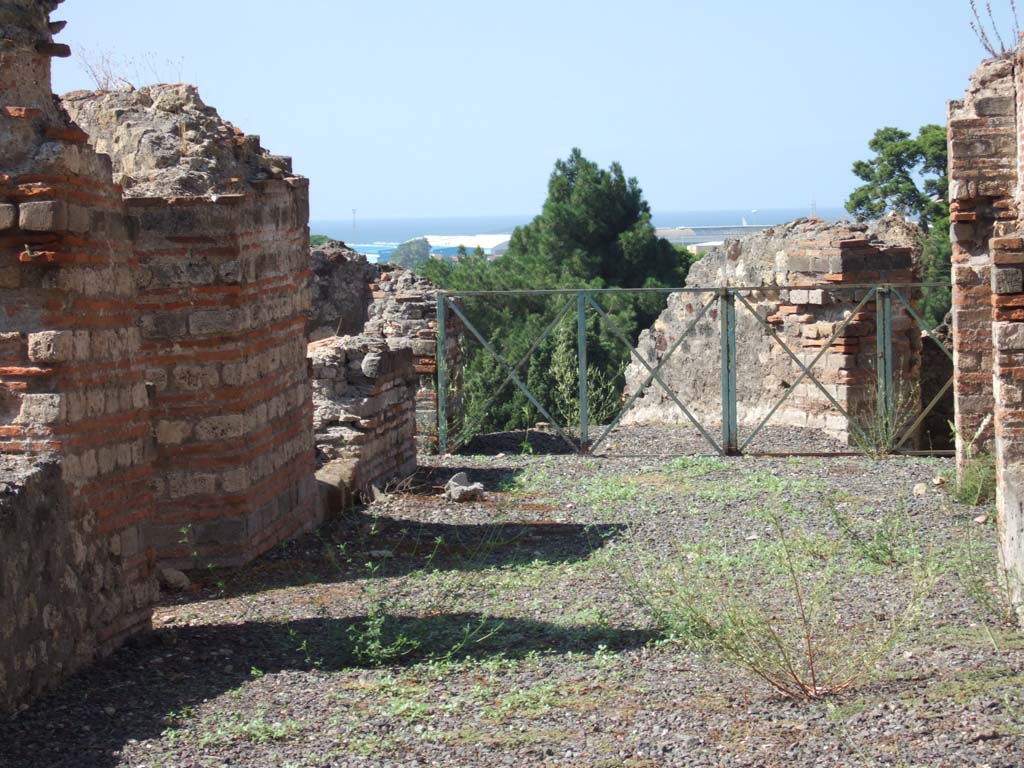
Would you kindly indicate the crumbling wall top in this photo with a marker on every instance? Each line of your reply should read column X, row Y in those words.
column 27, row 21
column 164, row 141
column 762, row 258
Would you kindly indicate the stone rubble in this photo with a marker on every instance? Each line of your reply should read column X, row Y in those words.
column 165, row 142
column 364, row 415
column 460, row 489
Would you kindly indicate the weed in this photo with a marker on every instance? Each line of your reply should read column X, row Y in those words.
column 880, row 428
column 888, row 541
column 988, row 584
column 603, row 490
column 781, row 621
column 975, row 483
column 255, row 730
column 696, row 466
column 981, row 30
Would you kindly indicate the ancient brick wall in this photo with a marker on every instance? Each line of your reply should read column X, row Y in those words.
column 986, row 137
column 364, row 414
column 404, row 311
column 825, row 257
column 222, row 307
column 983, row 183
column 71, row 382
column 351, row 297
column 222, row 267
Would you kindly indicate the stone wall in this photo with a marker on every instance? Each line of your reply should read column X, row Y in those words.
column 351, row 296
column 808, row 252
column 222, row 305
column 983, row 183
column 364, row 414
column 342, row 290
column 71, row 384
column 986, row 192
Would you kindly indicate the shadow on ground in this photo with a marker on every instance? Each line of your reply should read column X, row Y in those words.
column 515, row 443
column 132, row 694
column 341, row 550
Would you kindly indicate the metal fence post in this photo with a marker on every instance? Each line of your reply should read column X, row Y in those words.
column 883, row 353
column 442, row 374
column 730, row 428
column 581, row 341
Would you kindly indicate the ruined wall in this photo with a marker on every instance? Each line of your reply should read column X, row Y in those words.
column 398, row 305
column 983, row 182
column 364, row 413
column 808, row 252
column 222, row 306
column 986, row 195
column 404, row 312
column 71, row 384
column 342, row 290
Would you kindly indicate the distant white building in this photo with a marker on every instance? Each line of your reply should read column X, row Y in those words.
column 448, row 244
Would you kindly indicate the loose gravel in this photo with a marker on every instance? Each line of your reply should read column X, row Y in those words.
column 420, row 632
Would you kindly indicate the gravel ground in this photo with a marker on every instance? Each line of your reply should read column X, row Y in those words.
column 419, row 632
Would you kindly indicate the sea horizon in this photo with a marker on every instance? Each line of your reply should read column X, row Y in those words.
column 379, row 236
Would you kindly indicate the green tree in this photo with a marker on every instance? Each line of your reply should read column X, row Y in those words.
column 411, row 253
column 908, row 175
column 594, row 231
column 317, row 240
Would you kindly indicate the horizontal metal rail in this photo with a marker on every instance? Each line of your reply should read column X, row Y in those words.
column 763, row 288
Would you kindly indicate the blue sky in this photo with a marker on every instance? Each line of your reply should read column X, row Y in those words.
column 461, row 107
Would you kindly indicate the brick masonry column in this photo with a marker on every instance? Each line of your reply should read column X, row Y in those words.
column 78, row 580
column 983, row 180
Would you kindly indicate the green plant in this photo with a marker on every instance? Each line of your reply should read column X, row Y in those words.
column 778, row 614
column 975, row 482
column 877, row 429
column 696, row 466
column 604, row 490
column 889, row 540
column 377, row 642
column 987, row 583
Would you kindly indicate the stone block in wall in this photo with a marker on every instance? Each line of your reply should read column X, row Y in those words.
column 1007, row 280
column 8, row 215
column 48, row 216
column 50, row 346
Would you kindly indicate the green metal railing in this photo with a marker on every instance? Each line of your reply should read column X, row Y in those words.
column 725, row 299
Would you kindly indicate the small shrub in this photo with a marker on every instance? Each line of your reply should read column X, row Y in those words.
column 778, row 612
column 877, row 431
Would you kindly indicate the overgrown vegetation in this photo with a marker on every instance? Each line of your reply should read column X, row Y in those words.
column 879, row 428
column 975, row 482
column 775, row 607
column 595, row 231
